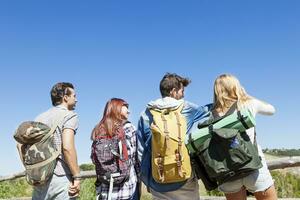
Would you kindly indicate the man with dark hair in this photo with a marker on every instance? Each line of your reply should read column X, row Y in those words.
column 172, row 82
column 59, row 90
column 64, row 183
column 182, row 185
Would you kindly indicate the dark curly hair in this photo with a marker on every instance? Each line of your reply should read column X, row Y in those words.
column 170, row 81
column 58, row 91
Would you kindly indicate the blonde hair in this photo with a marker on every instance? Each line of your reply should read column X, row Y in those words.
column 227, row 91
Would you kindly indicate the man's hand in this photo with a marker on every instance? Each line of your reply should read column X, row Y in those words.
column 74, row 188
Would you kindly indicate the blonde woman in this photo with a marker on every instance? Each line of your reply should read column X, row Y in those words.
column 227, row 91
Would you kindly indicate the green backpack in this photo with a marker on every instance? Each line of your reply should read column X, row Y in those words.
column 227, row 154
column 37, row 150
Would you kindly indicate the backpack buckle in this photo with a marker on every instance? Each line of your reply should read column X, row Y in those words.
column 179, row 163
column 160, row 168
column 231, row 174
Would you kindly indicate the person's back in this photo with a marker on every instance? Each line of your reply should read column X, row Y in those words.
column 259, row 182
column 116, row 167
column 172, row 91
column 64, row 182
column 68, row 119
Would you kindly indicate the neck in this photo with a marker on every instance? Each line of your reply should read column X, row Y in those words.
column 64, row 105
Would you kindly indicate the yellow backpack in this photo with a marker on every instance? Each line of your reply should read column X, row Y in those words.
column 170, row 158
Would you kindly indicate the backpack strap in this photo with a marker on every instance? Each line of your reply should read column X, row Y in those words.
column 217, row 117
column 178, row 153
column 111, row 184
column 166, row 131
column 160, row 168
column 45, row 162
column 231, row 110
column 53, row 129
column 242, row 119
column 160, row 159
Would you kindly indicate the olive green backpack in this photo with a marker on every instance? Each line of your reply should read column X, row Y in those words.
column 37, row 150
column 227, row 154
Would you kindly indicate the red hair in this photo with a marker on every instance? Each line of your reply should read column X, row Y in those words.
column 111, row 120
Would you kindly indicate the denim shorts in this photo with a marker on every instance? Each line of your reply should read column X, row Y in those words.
column 258, row 181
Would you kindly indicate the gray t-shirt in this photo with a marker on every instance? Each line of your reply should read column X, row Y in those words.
column 68, row 120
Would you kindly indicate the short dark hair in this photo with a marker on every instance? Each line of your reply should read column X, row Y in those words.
column 170, row 81
column 58, row 91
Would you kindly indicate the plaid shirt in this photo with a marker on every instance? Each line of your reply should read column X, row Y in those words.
column 126, row 190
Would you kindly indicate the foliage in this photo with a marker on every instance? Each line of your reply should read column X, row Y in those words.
column 88, row 189
column 15, row 188
column 282, row 152
column 215, row 193
column 287, row 184
column 87, row 167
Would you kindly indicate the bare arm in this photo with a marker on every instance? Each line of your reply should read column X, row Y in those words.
column 264, row 108
column 69, row 151
column 70, row 155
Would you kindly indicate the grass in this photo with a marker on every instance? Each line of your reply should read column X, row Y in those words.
column 288, row 185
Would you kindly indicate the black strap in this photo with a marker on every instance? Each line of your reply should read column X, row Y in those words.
column 211, row 128
column 242, row 119
column 191, row 141
column 255, row 142
column 232, row 109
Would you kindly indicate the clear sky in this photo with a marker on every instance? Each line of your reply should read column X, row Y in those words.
column 123, row 48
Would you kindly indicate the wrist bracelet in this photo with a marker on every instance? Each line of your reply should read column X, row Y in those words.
column 76, row 177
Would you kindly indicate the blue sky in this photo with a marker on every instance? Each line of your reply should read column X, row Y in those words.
column 123, row 48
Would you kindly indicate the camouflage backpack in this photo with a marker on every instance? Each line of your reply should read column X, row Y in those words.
column 37, row 150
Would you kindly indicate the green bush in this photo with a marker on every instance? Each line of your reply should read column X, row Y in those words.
column 282, row 152
column 15, row 188
column 87, row 167
column 287, row 184
column 215, row 193
column 88, row 189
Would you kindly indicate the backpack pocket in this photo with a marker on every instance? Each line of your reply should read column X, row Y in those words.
column 233, row 146
column 106, row 158
column 168, row 168
column 40, row 161
column 225, row 153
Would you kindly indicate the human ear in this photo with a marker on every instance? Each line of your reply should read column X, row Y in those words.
column 173, row 93
column 65, row 98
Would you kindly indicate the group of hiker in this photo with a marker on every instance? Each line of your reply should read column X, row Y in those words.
column 175, row 144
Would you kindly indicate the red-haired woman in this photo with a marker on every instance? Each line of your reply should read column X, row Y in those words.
column 114, row 153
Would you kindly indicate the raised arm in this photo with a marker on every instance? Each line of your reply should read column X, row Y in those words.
column 262, row 107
